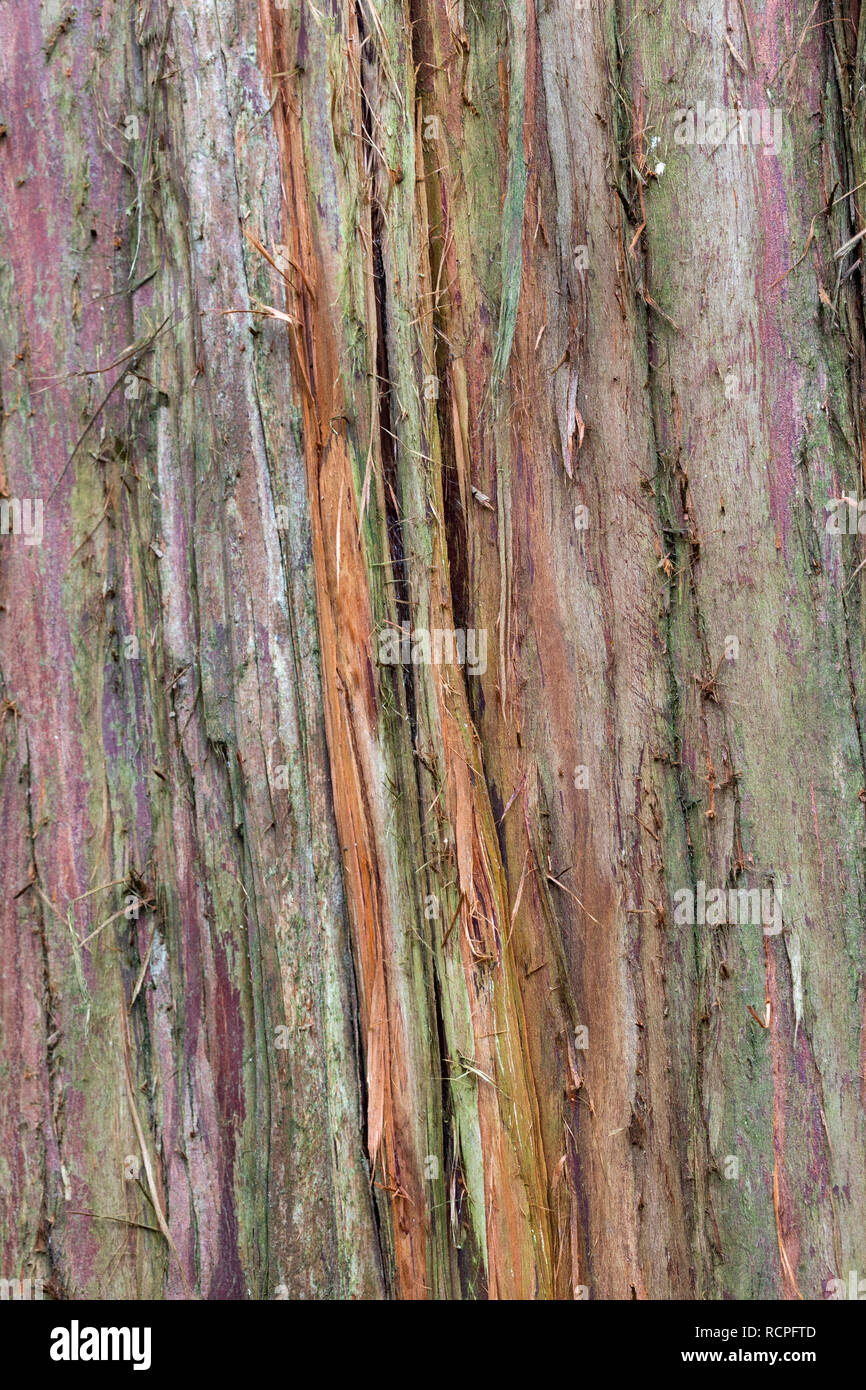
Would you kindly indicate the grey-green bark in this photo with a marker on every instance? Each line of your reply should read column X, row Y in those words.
column 319, row 321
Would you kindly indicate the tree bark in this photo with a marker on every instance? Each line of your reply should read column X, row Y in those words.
column 338, row 965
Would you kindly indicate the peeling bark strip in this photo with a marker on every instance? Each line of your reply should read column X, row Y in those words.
column 330, row 330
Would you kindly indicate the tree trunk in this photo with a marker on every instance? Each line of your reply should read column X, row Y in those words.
column 432, row 767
